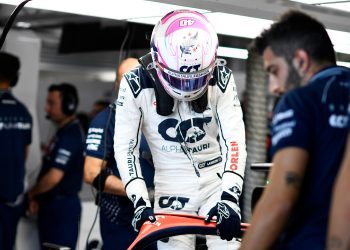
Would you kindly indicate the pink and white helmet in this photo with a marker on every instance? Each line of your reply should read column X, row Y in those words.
column 183, row 46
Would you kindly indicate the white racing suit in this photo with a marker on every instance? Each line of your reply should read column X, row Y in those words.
column 196, row 156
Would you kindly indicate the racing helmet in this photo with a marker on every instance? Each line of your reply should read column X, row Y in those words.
column 183, row 48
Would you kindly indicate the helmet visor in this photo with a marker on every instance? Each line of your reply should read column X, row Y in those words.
column 187, row 82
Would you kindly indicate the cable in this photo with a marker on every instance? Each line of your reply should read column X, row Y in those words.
column 185, row 148
column 123, row 44
column 10, row 21
column 92, row 227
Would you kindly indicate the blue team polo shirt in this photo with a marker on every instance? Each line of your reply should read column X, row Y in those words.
column 99, row 144
column 15, row 135
column 313, row 118
column 65, row 152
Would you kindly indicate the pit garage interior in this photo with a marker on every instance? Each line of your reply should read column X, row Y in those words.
column 83, row 42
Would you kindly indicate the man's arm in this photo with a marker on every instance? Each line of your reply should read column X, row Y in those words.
column 26, row 151
column 339, row 225
column 232, row 133
column 93, row 166
column 273, row 209
column 128, row 123
column 47, row 182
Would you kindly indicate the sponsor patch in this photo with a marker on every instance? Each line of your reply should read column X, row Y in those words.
column 338, row 121
column 210, row 162
column 173, row 202
column 280, row 135
column 134, row 83
column 223, row 77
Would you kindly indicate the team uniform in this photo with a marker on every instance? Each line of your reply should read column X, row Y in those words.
column 116, row 211
column 196, row 156
column 60, row 207
column 15, row 134
column 313, row 118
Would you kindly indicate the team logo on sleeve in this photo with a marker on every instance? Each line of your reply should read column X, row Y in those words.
column 338, row 121
column 283, row 125
column 63, row 156
column 93, row 139
column 235, row 190
column 223, row 78
column 134, row 82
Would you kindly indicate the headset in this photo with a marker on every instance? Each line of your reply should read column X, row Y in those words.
column 69, row 98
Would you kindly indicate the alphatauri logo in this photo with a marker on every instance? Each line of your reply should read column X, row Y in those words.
column 189, row 131
column 174, row 202
column 338, row 121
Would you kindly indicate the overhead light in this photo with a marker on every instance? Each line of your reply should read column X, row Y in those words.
column 340, row 40
column 236, row 25
column 106, row 76
column 334, row 4
column 25, row 25
column 251, row 28
column 314, row 1
column 345, row 64
column 112, row 9
column 338, row 6
column 150, row 12
column 232, row 52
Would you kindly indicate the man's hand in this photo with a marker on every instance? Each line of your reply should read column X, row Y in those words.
column 228, row 221
column 33, row 207
column 141, row 215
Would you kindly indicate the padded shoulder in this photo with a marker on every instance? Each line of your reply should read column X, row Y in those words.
column 138, row 80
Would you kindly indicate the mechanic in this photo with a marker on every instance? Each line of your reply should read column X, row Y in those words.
column 55, row 195
column 100, row 170
column 309, row 130
column 16, row 136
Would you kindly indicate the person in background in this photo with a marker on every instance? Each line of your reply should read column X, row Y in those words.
column 84, row 120
column 55, row 194
column 15, row 138
column 98, row 106
column 309, row 130
column 338, row 237
column 100, row 170
column 184, row 100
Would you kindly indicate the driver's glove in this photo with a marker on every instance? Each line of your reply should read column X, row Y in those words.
column 141, row 215
column 228, row 219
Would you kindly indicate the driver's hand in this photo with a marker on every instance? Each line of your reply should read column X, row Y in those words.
column 228, row 221
column 141, row 215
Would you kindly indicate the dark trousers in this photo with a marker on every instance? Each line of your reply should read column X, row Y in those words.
column 59, row 220
column 116, row 236
column 9, row 217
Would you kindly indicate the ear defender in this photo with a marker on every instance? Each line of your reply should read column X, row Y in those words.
column 69, row 104
column 69, row 99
